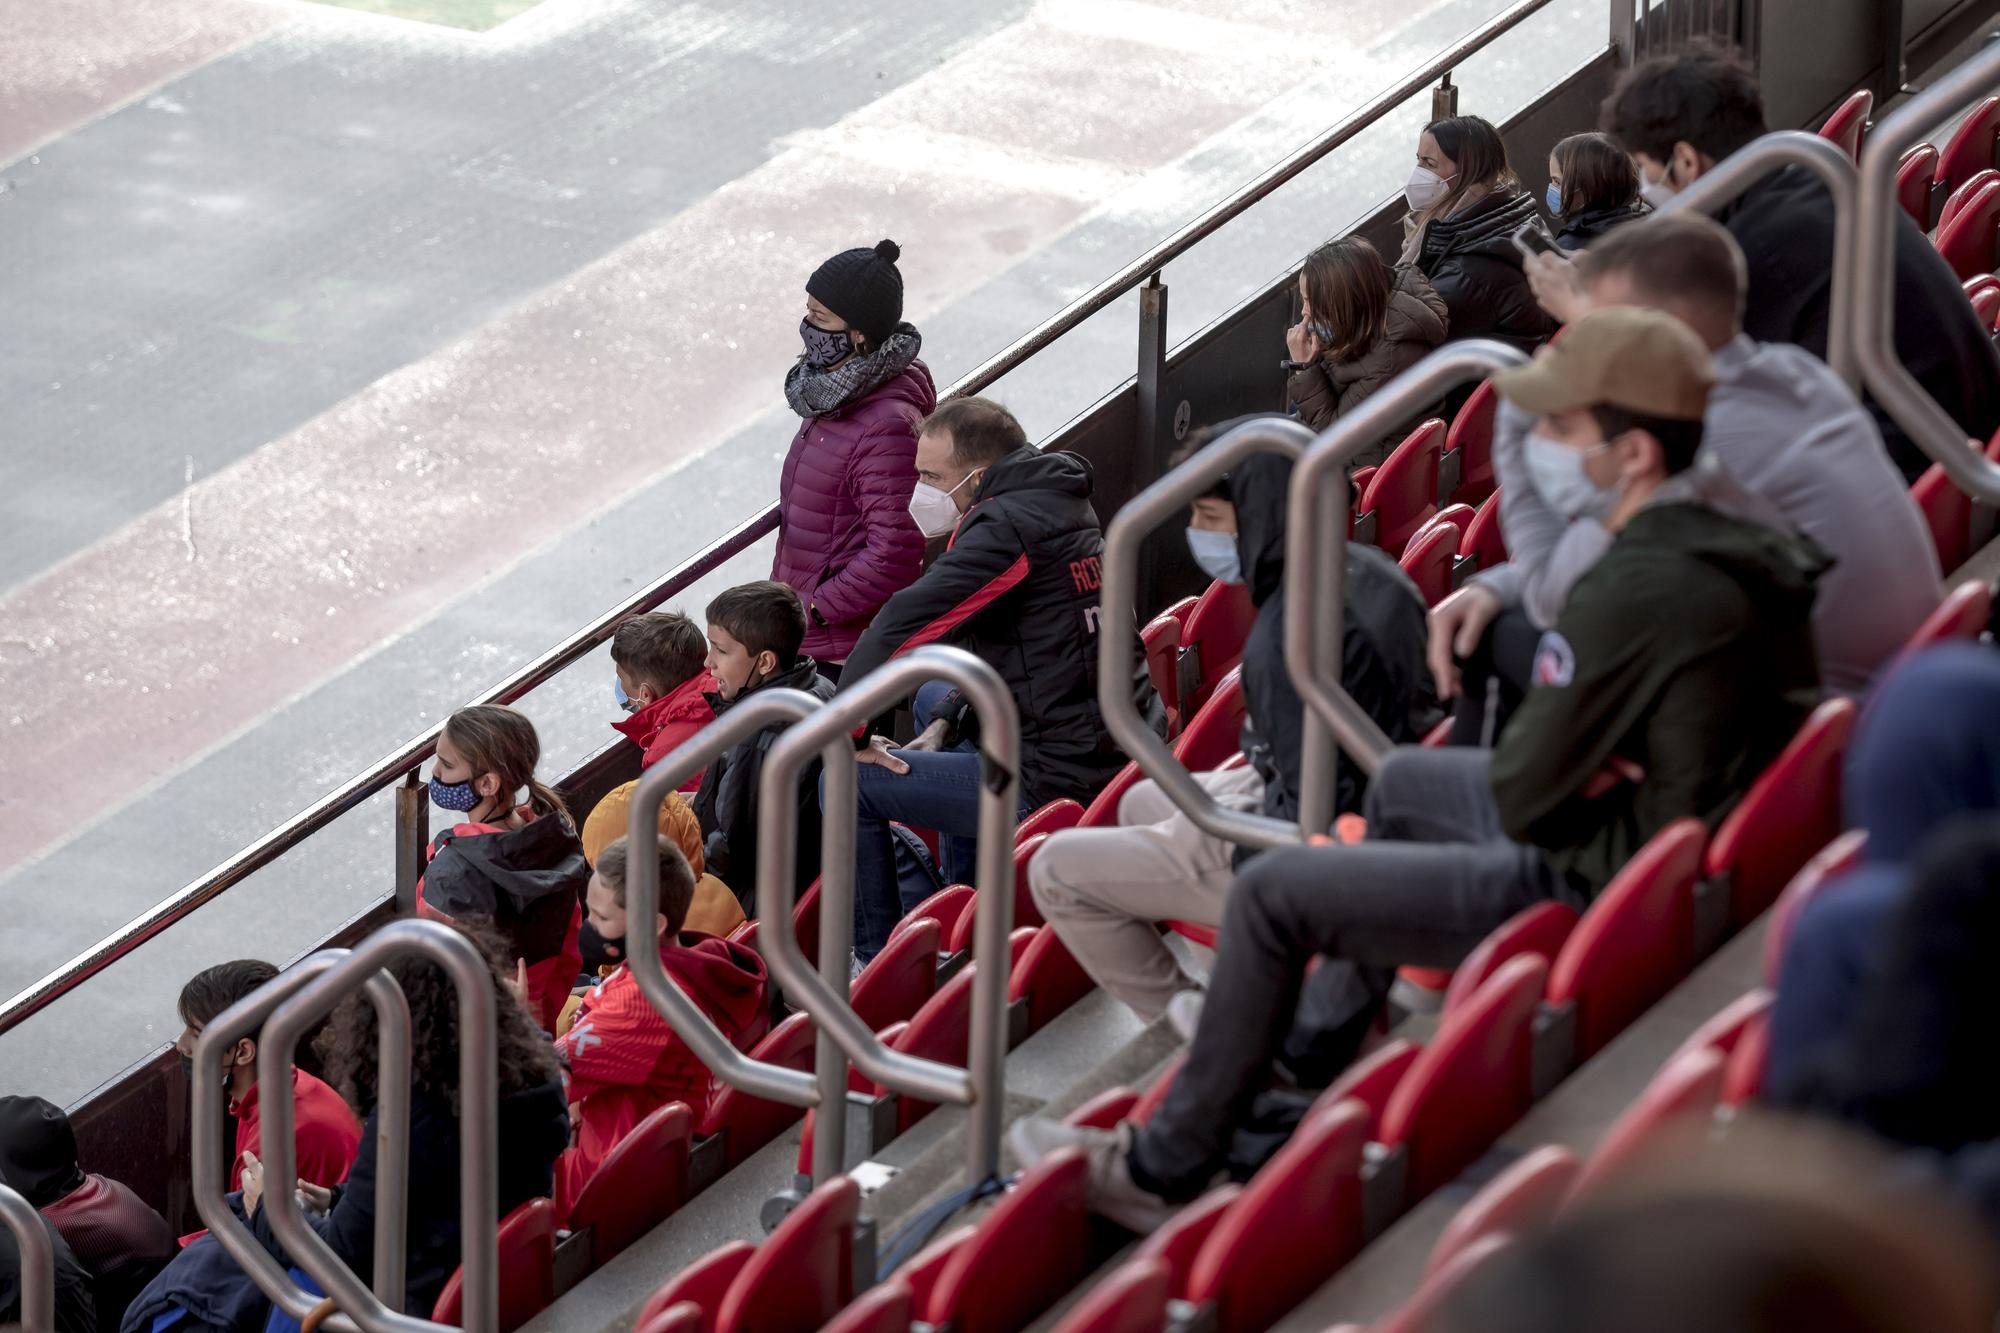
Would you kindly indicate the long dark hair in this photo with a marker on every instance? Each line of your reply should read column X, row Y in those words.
column 347, row 1046
column 1347, row 285
column 1596, row 174
column 1473, row 143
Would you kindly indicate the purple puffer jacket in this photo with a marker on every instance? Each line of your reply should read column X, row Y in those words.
column 846, row 540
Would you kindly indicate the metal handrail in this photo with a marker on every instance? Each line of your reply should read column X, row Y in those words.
column 1730, row 178
column 712, row 1046
column 400, row 762
column 1130, row 526
column 842, row 1034
column 478, row 1129
column 1872, row 277
column 248, row 1017
column 38, row 1262
column 1317, row 515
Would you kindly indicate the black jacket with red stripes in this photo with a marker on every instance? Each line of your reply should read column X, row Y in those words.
column 1017, row 587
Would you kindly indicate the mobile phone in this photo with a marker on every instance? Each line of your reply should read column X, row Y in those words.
column 1532, row 239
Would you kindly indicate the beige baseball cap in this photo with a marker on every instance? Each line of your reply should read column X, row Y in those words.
column 1643, row 361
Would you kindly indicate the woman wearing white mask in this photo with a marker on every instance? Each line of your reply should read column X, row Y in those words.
column 1465, row 206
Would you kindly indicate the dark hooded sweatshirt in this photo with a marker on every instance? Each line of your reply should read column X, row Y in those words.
column 1470, row 258
column 1687, row 651
column 1382, row 641
column 529, row 881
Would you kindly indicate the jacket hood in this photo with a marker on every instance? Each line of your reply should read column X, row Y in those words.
column 1927, row 749
column 725, row 978
column 1257, row 490
column 686, row 702
column 527, row 864
column 1486, row 228
column 1416, row 312
column 1592, row 223
column 37, row 1150
column 1029, row 469
column 800, row 675
column 1776, row 569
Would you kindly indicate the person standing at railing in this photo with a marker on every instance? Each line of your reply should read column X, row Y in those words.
column 1593, row 187
column 1361, row 324
column 1017, row 587
column 845, row 541
column 1685, row 655
column 1465, row 206
column 1679, row 116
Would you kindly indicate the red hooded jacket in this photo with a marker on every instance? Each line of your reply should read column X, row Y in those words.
column 624, row 1061
column 663, row 725
column 327, row 1134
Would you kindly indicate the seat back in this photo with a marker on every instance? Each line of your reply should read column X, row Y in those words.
column 1966, row 238
column 1947, row 513
column 1403, row 493
column 1521, row 1199
column 941, row 1029
column 945, row 907
column 886, row 1307
column 805, row 922
column 1051, row 818
column 1297, row 1221
column 1974, row 146
column 1049, row 978
column 1727, row 1027
column 1540, row 929
column 1915, row 186
column 1131, row 1300
column 1636, row 941
column 750, row 1122
column 898, row 980
column 1102, row 812
column 1212, row 642
column 1181, row 1236
column 1372, row 1080
column 1162, row 640
column 701, row 1284
column 527, row 1269
column 1965, row 610
column 1471, row 1082
column 1482, row 541
column 1428, row 560
column 684, row 1317
column 1026, row 912
column 1028, row 1251
column 1419, row 1312
column 1675, row 1107
column 1849, row 121
column 1828, row 864
column 1957, row 200
column 1790, row 812
column 1743, row 1071
column 803, row 1273
column 638, row 1185
column 1471, row 440
column 1214, row 733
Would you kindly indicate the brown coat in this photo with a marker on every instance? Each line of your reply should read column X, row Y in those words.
column 1416, row 323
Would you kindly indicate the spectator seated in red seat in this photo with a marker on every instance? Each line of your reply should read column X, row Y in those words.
column 623, row 1059
column 324, row 1129
column 714, row 911
column 1103, row 888
column 1592, row 188
column 519, row 866
column 662, row 683
column 120, row 1241
column 1686, row 652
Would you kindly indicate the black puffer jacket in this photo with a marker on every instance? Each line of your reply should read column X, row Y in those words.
column 1470, row 258
column 1586, row 227
column 1017, row 587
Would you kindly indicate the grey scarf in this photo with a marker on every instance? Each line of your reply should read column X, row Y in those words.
column 813, row 392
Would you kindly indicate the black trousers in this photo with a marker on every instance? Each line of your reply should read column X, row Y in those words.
column 1494, row 679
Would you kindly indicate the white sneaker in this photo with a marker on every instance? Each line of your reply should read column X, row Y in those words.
column 1184, row 1013
column 1109, row 1189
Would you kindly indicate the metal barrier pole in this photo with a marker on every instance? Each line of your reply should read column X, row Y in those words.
column 38, row 1262
column 478, row 1134
column 1733, row 175
column 826, row 733
column 1118, row 609
column 1316, row 522
column 1872, row 277
column 767, row 708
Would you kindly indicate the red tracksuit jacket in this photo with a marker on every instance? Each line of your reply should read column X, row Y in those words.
column 662, row 726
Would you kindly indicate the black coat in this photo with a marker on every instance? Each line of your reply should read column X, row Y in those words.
column 1018, row 587
column 1785, row 225
column 1470, row 258
column 74, row 1311
column 726, row 803
column 1591, row 224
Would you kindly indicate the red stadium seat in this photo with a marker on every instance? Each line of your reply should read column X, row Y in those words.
column 686, row 1317
column 1482, row 541
column 886, row 1307
column 1636, row 941
column 1182, row 609
column 1849, row 122
column 1916, row 187
column 1468, row 447
column 1049, row 978
column 1403, row 493
column 527, row 1269
column 805, row 922
column 1131, row 1300
column 1790, row 812
column 1180, row 1238
column 1102, row 812
column 1827, row 865
column 1429, row 558
column 1418, row 1314
column 940, row 1031
column 1470, row 1083
column 1214, row 733
column 1106, row 1109
column 1027, row 1252
column 1296, row 1222
column 1743, row 1074
column 1026, row 914
column 1984, row 293
column 638, row 1185
column 701, row 1284
column 1963, row 614
column 1680, row 1099
column 1212, row 642
column 1521, row 1199
column 1956, row 201
column 1162, row 640
column 1051, row 818
column 803, row 1273
column 751, row 1122
column 1973, row 147
column 1725, row 1029
column 945, row 907
column 897, row 981
column 1947, row 512
column 1372, row 1080
column 1969, row 237
column 1149, row 1100
column 1540, row 929
column 1458, row 516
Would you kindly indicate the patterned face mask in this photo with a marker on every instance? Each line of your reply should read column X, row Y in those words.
column 457, row 796
column 824, row 347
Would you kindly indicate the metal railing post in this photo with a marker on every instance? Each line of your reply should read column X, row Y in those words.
column 413, row 835
column 826, row 734
column 1316, row 521
column 1872, row 277
column 1135, row 520
column 1444, row 98
column 38, row 1262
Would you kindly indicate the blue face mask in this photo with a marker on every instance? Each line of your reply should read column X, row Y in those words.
column 1554, row 199
column 824, row 347
column 457, row 796
column 1216, row 553
column 625, row 701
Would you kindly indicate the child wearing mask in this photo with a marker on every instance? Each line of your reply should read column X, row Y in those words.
column 661, row 683
column 623, row 1059
column 521, row 865
column 754, row 634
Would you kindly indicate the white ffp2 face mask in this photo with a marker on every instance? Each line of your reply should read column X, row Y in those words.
column 934, row 511
column 1657, row 193
column 1425, row 187
column 1557, row 471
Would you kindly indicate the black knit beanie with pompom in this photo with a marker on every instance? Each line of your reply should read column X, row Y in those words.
column 864, row 288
